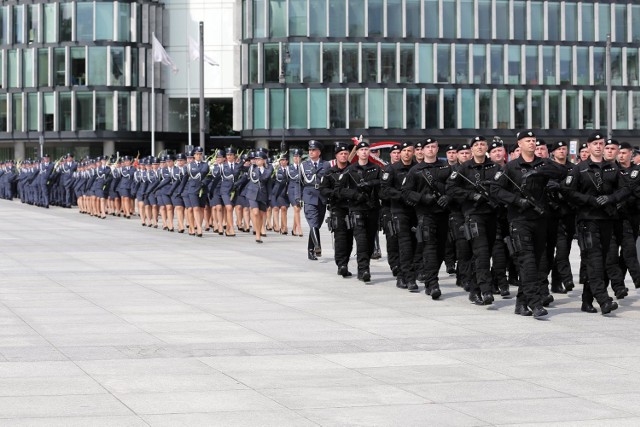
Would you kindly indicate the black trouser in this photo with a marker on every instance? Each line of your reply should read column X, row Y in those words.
column 613, row 270
column 629, row 259
column 365, row 227
column 435, row 231
column 594, row 238
column 529, row 240
column 407, row 244
column 500, row 255
column 483, row 235
column 450, row 251
column 391, row 236
column 342, row 236
column 561, row 270
column 464, row 270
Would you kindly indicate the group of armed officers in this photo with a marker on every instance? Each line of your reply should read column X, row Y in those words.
column 504, row 222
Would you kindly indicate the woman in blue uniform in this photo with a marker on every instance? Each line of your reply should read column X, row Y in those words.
column 294, row 192
column 258, row 192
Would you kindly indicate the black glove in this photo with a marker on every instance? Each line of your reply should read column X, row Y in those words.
column 443, row 201
column 361, row 197
column 364, row 184
column 427, row 199
column 603, row 200
column 553, row 186
column 476, row 197
column 523, row 203
column 593, row 201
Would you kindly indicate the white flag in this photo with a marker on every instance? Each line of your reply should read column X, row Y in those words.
column 194, row 53
column 160, row 55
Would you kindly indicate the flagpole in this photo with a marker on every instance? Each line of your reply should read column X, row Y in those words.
column 153, row 100
column 202, row 84
column 189, row 94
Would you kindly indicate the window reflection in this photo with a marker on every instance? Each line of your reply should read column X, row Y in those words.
column 331, row 63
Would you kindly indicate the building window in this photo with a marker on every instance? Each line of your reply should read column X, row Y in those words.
column 632, row 66
column 117, row 66
column 124, row 111
column 566, row 65
column 259, row 28
column 520, row 108
column 337, row 18
column 599, row 66
column 294, row 70
column 48, row 112
column 514, row 65
column 66, row 14
column 449, row 109
column 589, row 110
column 537, row 109
column 622, row 108
column 49, row 13
column 331, row 63
column 497, row 64
column 78, row 66
column 277, row 17
column 604, row 20
column 394, row 109
column 376, row 18
column 12, row 68
column 549, row 64
column 369, row 63
column 253, row 64
column 571, row 109
column 467, row 23
column 571, row 21
column 555, row 112
column 32, row 111
column 635, row 110
column 616, row 66
column 554, row 21
column 484, row 20
column 502, row 19
column 16, row 112
column 271, row 62
column 298, row 109
column 350, row 63
column 375, row 104
column 426, row 63
column 276, row 109
column 582, row 65
column 479, row 64
column 503, row 109
column 532, row 65
column 60, row 75
column 468, row 108
column 431, row 19
column 431, row 109
column 84, row 111
column 97, row 66
column 462, row 64
column 4, row 29
column 135, row 66
column 407, row 63
column 3, row 112
column 520, row 20
column 259, row 109
column 104, row 111
column 311, row 63
column 412, row 18
column 18, row 24
column 394, row 18
column 318, row 108
column 318, row 24
column 337, row 108
column 414, row 108
column 485, row 101
column 356, row 18
column 33, row 25
column 444, row 63
column 104, row 21
column 64, row 111
column 536, row 20
column 356, row 109
column 388, row 62
column 28, row 78
column 588, row 22
column 298, row 17
column 635, row 27
column 124, row 22
column 84, row 22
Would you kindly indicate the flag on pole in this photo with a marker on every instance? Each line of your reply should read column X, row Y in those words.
column 194, row 53
column 160, row 55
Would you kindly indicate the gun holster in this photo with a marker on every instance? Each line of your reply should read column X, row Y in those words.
column 357, row 219
column 585, row 238
column 509, row 243
column 471, row 230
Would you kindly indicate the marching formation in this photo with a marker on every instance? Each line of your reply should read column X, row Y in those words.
column 495, row 215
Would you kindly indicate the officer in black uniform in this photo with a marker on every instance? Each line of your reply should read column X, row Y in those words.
column 469, row 187
column 522, row 187
column 403, row 216
column 338, row 209
column 464, row 269
column 386, row 217
column 596, row 186
column 424, row 188
column 360, row 185
column 630, row 212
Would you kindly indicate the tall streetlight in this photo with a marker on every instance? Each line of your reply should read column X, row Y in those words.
column 286, row 59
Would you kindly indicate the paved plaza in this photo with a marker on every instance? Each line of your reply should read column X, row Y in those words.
column 106, row 323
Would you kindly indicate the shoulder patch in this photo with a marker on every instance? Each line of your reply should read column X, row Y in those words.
column 634, row 174
column 568, row 180
column 321, row 180
column 385, row 176
column 453, row 175
column 341, row 175
column 404, row 180
column 497, row 175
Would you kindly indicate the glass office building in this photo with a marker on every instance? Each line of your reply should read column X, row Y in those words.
column 403, row 69
column 75, row 73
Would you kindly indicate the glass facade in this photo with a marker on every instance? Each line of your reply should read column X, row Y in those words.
column 70, row 66
column 450, row 68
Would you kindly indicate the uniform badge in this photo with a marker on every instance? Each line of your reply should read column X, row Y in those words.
column 634, row 174
column 497, row 176
column 453, row 175
column 341, row 175
column 568, row 180
column 385, row 176
column 321, row 179
column 404, row 180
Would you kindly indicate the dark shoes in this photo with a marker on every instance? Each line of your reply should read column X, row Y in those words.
column 487, row 298
column 412, row 286
column 608, row 307
column 557, row 288
column 569, row 286
column 434, row 291
column 343, row 271
column 421, row 277
column 451, row 269
column 376, row 254
column 588, row 308
column 547, row 300
column 522, row 310
column 395, row 270
column 401, row 283
column 504, row 291
column 539, row 312
column 365, row 276
column 475, row 299
column 620, row 294
column 312, row 255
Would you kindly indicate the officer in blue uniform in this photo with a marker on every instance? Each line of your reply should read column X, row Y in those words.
column 127, row 172
column 229, row 176
column 294, row 193
column 46, row 169
column 196, row 172
column 311, row 172
column 68, row 168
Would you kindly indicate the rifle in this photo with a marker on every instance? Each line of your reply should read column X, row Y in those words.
column 480, row 189
column 528, row 197
column 433, row 188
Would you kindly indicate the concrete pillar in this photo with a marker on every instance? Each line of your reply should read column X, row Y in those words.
column 262, row 143
column 159, row 147
column 19, row 150
column 108, row 148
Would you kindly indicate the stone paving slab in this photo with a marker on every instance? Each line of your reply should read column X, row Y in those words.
column 106, row 323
